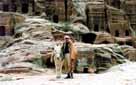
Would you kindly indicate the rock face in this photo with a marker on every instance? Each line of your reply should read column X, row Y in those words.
column 113, row 21
column 60, row 10
column 95, row 14
column 8, row 22
column 99, row 57
column 89, row 55
column 23, row 51
column 33, row 42
column 104, row 38
column 129, row 52
column 55, row 10
column 97, row 38
column 32, row 38
column 130, row 4
column 35, row 28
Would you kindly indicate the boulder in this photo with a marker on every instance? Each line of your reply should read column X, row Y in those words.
column 124, row 41
column 129, row 52
column 79, row 28
column 98, row 38
column 103, row 37
column 35, row 28
column 99, row 58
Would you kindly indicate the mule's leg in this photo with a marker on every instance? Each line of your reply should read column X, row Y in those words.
column 57, row 66
column 60, row 63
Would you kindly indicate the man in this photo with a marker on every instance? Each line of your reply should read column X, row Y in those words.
column 70, row 53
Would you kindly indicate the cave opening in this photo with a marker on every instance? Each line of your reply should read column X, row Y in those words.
column 24, row 8
column 127, row 33
column 129, row 43
column 55, row 18
column 88, row 38
column 96, row 27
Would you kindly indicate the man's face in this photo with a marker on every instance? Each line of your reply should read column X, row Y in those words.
column 67, row 39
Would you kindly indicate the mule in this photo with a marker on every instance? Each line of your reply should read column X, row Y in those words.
column 58, row 59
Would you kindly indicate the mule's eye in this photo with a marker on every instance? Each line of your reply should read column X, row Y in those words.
column 52, row 48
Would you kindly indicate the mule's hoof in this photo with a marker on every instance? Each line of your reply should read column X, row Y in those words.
column 58, row 77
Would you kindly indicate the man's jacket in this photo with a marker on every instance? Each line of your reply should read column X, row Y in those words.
column 72, row 50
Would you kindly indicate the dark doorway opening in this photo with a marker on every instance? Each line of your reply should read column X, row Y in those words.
column 24, row 8
column 96, row 27
column 117, row 33
column 127, row 33
column 37, row 13
column 129, row 43
column 121, row 43
column 88, row 38
column 85, row 70
column 56, row 18
column 118, row 4
column 5, row 7
column 2, row 31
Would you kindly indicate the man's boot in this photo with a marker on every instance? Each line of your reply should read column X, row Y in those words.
column 68, row 76
column 71, row 75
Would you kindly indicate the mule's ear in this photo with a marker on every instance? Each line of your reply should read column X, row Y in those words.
column 61, row 44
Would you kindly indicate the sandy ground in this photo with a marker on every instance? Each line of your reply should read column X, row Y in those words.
column 119, row 75
column 80, row 79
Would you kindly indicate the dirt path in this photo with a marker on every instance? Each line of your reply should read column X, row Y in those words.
column 119, row 75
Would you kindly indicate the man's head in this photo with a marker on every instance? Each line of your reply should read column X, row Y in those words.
column 66, row 38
